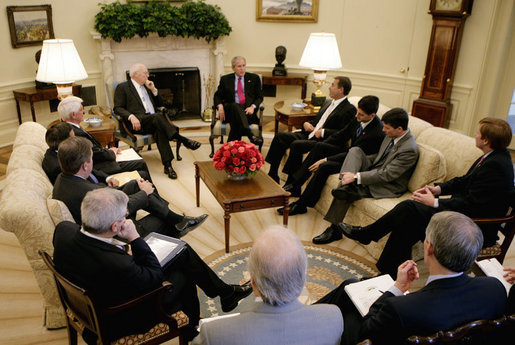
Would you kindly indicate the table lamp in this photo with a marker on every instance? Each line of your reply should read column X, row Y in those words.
column 320, row 54
column 60, row 64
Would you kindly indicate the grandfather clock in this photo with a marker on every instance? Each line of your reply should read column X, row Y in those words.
column 434, row 103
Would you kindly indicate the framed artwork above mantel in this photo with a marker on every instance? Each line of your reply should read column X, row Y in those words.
column 290, row 11
column 30, row 25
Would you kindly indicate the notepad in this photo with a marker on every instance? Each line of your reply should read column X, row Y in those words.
column 165, row 248
column 126, row 176
column 493, row 268
column 364, row 293
column 128, row 155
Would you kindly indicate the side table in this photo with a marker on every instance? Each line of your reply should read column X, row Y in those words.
column 33, row 95
column 285, row 114
column 290, row 79
column 104, row 133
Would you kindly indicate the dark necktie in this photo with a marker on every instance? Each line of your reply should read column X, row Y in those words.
column 385, row 153
column 241, row 95
column 359, row 131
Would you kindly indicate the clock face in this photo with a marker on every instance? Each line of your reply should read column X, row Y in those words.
column 448, row 5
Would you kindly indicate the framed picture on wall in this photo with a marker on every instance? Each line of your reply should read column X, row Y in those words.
column 292, row 11
column 30, row 25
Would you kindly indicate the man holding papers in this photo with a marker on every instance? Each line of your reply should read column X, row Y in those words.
column 91, row 257
column 72, row 112
column 449, row 299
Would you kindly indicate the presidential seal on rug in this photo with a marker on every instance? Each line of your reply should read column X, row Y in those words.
column 327, row 268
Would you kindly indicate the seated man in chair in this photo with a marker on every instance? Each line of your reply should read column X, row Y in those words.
column 449, row 299
column 92, row 258
column 237, row 100
column 136, row 101
column 277, row 267
column 72, row 112
column 77, row 178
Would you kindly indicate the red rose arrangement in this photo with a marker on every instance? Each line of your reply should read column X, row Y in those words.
column 238, row 157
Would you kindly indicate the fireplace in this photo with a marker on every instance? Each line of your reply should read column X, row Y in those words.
column 179, row 87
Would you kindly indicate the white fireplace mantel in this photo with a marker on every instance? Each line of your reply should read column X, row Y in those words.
column 161, row 52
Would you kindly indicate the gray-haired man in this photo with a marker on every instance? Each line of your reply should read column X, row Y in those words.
column 277, row 267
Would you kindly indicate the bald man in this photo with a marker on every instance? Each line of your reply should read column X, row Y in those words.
column 136, row 101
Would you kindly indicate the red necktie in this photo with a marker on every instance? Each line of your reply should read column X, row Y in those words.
column 241, row 95
column 480, row 161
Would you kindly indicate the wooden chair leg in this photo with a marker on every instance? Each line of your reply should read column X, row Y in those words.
column 149, row 147
column 211, row 142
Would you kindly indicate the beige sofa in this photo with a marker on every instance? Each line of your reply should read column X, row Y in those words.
column 444, row 154
column 28, row 212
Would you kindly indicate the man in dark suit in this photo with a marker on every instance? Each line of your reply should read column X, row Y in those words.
column 72, row 112
column 75, row 159
column 334, row 115
column 382, row 175
column 482, row 192
column 237, row 100
column 449, row 299
column 136, row 101
column 326, row 157
column 91, row 257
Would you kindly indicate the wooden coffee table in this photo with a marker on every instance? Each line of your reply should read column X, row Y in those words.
column 285, row 114
column 256, row 193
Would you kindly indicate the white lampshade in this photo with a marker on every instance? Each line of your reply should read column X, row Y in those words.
column 60, row 63
column 321, row 52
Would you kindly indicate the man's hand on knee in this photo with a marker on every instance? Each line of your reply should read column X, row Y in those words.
column 136, row 125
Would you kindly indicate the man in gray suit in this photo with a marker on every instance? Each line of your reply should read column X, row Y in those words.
column 382, row 175
column 277, row 267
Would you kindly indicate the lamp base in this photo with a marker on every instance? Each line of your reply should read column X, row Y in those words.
column 317, row 101
column 64, row 90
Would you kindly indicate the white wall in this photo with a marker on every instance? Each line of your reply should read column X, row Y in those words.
column 383, row 45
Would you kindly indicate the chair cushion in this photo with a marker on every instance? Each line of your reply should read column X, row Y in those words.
column 430, row 168
column 490, row 251
column 221, row 128
column 141, row 139
column 154, row 332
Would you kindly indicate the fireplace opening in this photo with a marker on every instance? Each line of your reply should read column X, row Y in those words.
column 179, row 87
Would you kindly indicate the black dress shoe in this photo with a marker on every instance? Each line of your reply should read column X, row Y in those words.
column 189, row 223
column 256, row 140
column 230, row 301
column 295, row 209
column 170, row 172
column 355, row 233
column 191, row 144
column 294, row 190
column 330, row 234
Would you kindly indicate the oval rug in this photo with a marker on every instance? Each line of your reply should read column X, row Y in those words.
column 327, row 268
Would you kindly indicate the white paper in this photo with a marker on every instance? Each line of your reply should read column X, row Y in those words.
column 493, row 268
column 364, row 293
column 161, row 248
column 128, row 155
column 209, row 319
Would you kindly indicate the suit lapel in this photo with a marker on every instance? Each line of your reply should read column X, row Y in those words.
column 135, row 93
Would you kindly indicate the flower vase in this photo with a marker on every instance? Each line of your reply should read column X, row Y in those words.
column 236, row 176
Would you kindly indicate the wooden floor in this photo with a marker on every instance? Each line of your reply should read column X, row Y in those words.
column 21, row 308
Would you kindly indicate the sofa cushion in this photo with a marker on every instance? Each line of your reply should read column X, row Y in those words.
column 58, row 211
column 417, row 126
column 25, row 156
column 430, row 168
column 459, row 150
column 31, row 133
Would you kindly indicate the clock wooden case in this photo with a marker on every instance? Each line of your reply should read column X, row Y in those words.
column 449, row 17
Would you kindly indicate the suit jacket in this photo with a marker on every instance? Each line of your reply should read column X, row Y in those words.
column 127, row 101
column 442, row 304
column 389, row 177
column 369, row 141
column 100, row 153
column 294, row 323
column 253, row 94
column 72, row 189
column 483, row 191
column 109, row 273
column 52, row 168
column 339, row 119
